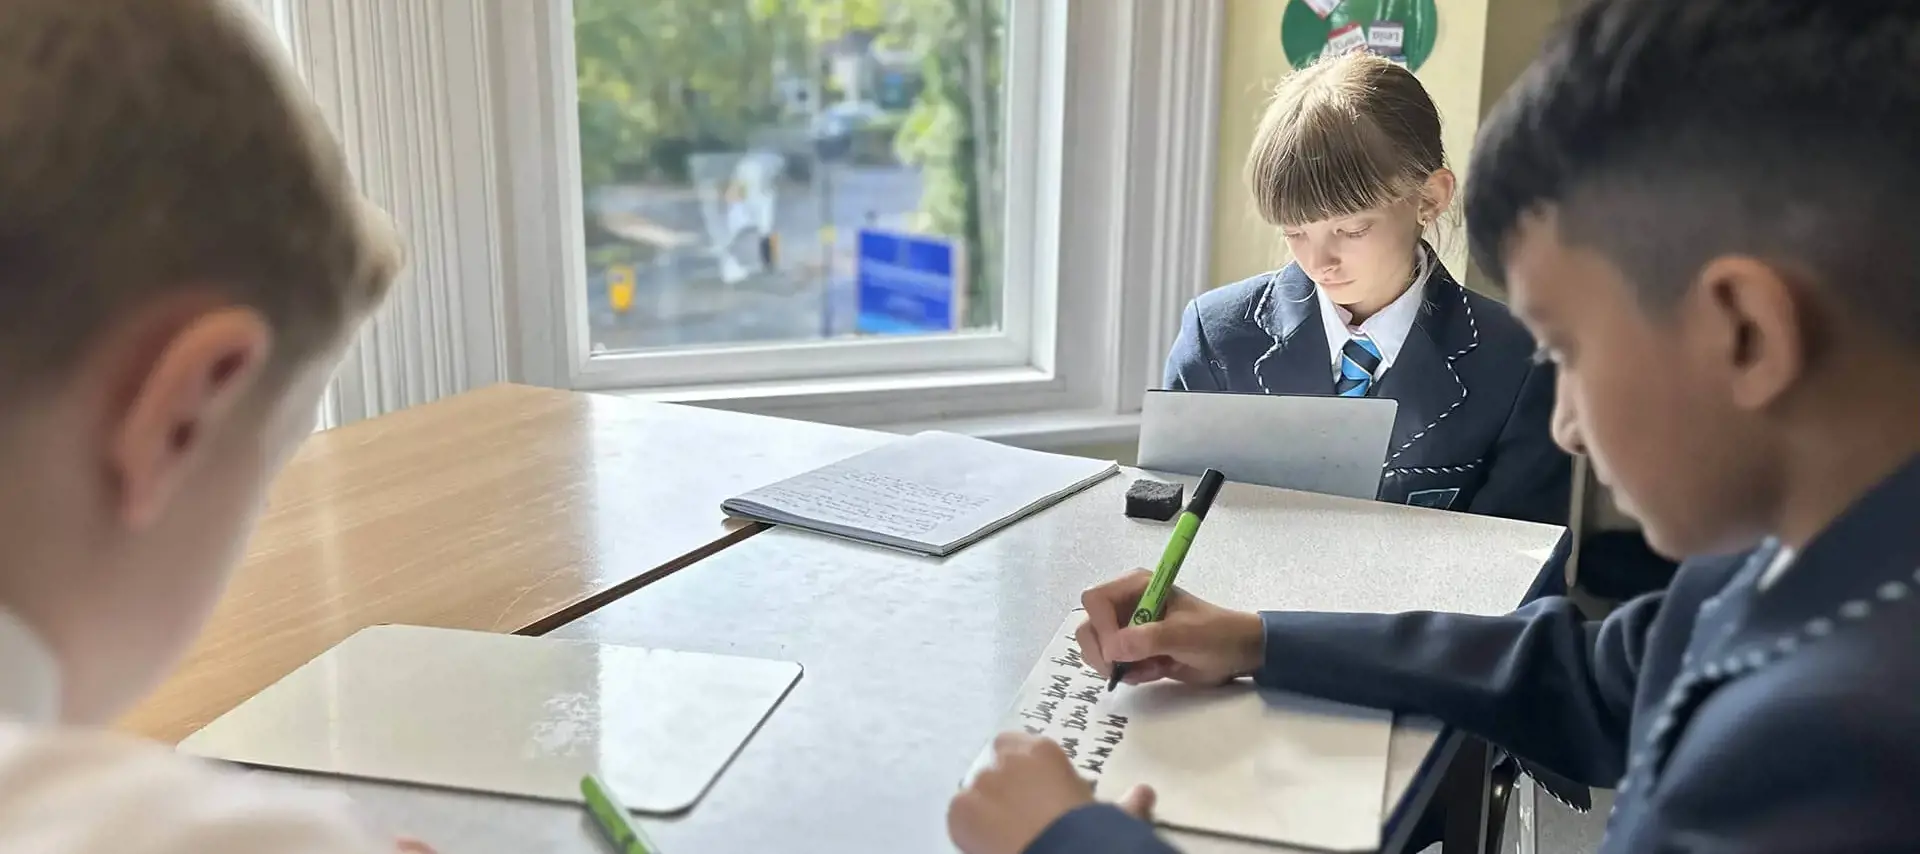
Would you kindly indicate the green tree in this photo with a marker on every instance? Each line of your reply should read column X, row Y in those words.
column 954, row 135
column 826, row 20
column 953, row 132
column 658, row 78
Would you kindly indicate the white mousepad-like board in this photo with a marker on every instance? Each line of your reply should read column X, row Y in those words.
column 1233, row 761
column 507, row 714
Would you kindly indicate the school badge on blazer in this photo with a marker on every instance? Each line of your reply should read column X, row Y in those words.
column 1437, row 499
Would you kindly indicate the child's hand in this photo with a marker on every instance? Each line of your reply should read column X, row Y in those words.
column 1029, row 786
column 409, row 845
column 1194, row 641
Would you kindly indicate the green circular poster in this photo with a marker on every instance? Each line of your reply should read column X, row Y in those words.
column 1402, row 30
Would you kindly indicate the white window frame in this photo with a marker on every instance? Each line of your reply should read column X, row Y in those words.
column 456, row 115
column 1037, row 35
column 1128, row 86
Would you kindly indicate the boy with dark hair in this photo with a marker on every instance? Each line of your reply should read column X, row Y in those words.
column 1703, row 212
column 182, row 258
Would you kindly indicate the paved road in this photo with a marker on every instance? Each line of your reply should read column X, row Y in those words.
column 681, row 300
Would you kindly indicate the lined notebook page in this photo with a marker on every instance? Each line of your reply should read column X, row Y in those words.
column 932, row 492
column 904, row 507
column 1232, row 760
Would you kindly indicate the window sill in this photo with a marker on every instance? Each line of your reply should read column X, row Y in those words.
column 878, row 400
column 839, row 388
column 1020, row 407
column 1068, row 431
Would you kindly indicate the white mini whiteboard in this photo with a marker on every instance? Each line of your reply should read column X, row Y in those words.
column 1234, row 761
column 506, row 714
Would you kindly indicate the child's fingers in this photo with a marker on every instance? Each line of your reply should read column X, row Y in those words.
column 1139, row 643
column 1150, row 670
column 1107, row 603
column 1138, row 802
column 1015, row 741
column 1090, row 651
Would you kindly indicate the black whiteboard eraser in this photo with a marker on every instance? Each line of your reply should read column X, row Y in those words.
column 1152, row 499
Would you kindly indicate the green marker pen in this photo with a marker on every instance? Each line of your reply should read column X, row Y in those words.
column 1153, row 602
column 610, row 814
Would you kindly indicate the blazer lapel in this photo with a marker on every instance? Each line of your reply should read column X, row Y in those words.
column 1701, row 672
column 1298, row 362
column 1858, row 570
column 1422, row 378
column 1428, row 391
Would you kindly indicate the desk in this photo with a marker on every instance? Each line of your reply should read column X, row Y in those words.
column 510, row 509
column 915, row 661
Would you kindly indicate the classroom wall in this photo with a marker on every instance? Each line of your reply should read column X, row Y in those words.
column 1515, row 31
column 1480, row 48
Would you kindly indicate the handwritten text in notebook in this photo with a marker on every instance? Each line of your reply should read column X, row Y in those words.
column 879, row 502
column 930, row 493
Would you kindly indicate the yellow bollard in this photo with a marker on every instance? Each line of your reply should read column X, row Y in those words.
column 620, row 281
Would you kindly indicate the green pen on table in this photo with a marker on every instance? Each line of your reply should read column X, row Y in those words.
column 1153, row 603
column 610, row 813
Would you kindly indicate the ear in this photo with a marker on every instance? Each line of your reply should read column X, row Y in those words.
column 192, row 390
column 1758, row 332
column 1565, row 425
column 1436, row 195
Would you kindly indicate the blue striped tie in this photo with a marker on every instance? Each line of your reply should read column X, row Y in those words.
column 1358, row 360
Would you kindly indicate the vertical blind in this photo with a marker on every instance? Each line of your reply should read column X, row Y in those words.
column 403, row 84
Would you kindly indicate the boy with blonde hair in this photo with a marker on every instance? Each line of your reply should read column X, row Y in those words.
column 182, row 258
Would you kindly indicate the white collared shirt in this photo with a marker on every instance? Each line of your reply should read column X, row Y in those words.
column 29, row 676
column 77, row 791
column 1387, row 329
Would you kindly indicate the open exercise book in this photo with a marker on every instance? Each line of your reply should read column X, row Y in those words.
column 1235, row 760
column 932, row 493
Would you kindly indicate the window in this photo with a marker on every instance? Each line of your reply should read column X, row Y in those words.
column 765, row 172
column 591, row 204
column 714, row 172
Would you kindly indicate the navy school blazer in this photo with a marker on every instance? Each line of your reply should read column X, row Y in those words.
column 1472, row 431
column 1727, row 718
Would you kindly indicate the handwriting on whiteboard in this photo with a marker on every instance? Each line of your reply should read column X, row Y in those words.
column 1062, row 700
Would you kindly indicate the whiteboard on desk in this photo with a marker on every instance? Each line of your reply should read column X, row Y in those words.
column 1233, row 760
column 1321, row 444
column 506, row 714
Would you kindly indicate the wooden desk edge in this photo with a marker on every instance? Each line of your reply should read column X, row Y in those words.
column 176, row 730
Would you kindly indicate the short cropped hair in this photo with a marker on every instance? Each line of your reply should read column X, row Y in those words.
column 1343, row 135
column 1664, row 134
column 152, row 146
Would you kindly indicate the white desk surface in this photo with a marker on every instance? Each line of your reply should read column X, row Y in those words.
column 911, row 663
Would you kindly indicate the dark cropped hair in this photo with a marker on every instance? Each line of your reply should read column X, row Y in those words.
column 1663, row 134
